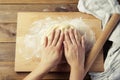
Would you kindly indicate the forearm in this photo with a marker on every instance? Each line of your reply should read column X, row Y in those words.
column 38, row 73
column 77, row 73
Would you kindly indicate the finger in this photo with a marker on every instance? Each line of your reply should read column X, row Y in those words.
column 83, row 42
column 61, row 51
column 45, row 41
column 67, row 38
column 51, row 37
column 65, row 46
column 60, row 41
column 72, row 36
column 56, row 38
column 77, row 37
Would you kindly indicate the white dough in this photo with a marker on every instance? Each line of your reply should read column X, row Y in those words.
column 35, row 38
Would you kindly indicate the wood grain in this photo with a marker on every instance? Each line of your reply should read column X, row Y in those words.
column 37, row 7
column 7, row 52
column 8, row 13
column 7, row 56
column 37, row 1
column 8, row 17
column 7, row 32
column 11, row 16
column 25, row 19
column 7, row 73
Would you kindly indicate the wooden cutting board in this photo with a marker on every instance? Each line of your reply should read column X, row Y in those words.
column 24, row 21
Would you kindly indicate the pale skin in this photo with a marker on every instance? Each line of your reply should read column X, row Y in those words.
column 75, row 54
column 52, row 52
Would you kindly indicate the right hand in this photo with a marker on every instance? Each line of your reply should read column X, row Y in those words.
column 74, row 48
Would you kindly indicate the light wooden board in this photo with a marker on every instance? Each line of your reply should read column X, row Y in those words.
column 24, row 22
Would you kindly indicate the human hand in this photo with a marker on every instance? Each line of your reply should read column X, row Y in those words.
column 74, row 48
column 51, row 55
column 52, row 50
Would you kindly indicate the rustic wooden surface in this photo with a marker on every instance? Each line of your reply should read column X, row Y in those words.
column 24, row 21
column 8, row 17
column 38, row 1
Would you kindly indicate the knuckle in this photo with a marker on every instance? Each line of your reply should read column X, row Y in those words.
column 76, row 47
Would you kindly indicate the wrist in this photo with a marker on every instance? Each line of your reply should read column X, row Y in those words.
column 77, row 65
column 78, row 72
column 39, row 72
column 43, row 68
column 79, row 68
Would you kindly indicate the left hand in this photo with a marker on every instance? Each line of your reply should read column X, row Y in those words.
column 51, row 55
column 52, row 50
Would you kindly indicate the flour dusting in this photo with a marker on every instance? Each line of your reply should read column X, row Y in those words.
column 34, row 39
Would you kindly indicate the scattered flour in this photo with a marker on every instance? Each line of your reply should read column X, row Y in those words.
column 33, row 41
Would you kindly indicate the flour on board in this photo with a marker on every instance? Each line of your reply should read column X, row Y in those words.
column 34, row 39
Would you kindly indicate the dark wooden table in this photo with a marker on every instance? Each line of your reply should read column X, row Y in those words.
column 8, row 21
